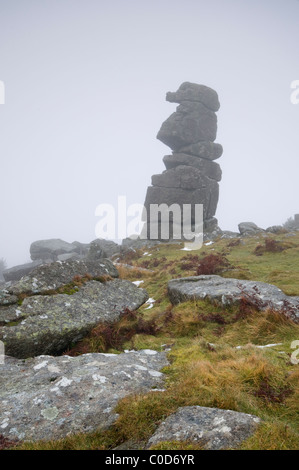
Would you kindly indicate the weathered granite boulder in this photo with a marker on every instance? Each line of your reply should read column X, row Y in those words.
column 191, row 177
column 101, row 248
column 81, row 248
column 181, row 196
column 206, row 150
column 52, row 397
column 249, row 228
column 227, row 291
column 195, row 93
column 205, row 167
column 215, row 429
column 49, row 324
column 50, row 249
column 17, row 272
column 191, row 123
column 69, row 256
column 54, row 275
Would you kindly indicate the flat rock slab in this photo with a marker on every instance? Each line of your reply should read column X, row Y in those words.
column 216, row 429
column 227, row 291
column 51, row 397
column 59, row 273
column 49, row 324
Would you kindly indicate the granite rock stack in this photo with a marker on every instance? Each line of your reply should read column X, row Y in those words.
column 191, row 176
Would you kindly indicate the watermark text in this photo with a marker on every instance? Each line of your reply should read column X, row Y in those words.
column 295, row 94
column 157, row 222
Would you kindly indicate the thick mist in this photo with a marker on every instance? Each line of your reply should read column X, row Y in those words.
column 82, row 98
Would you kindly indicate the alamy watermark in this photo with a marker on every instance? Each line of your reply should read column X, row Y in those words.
column 2, row 92
column 295, row 94
column 160, row 222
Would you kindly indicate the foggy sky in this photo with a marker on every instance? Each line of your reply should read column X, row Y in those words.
column 85, row 86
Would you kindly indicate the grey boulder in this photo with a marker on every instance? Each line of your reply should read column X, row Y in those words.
column 206, row 167
column 101, row 248
column 206, row 150
column 195, row 92
column 191, row 123
column 49, row 324
column 228, row 291
column 52, row 397
column 51, row 276
column 50, row 249
column 215, row 429
column 249, row 228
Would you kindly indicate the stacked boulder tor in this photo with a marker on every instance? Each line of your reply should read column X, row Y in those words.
column 191, row 176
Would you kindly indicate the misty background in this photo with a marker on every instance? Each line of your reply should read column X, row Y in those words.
column 85, row 86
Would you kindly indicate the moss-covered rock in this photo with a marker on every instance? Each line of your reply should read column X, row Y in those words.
column 49, row 324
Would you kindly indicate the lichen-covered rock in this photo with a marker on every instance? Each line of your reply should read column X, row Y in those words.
column 215, row 429
column 51, row 276
column 227, row 291
column 6, row 298
column 51, row 397
column 49, row 324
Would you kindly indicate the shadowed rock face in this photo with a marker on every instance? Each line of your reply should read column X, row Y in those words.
column 191, row 176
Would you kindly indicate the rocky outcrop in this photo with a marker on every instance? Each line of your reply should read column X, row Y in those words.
column 50, row 249
column 58, row 304
column 49, row 324
column 101, row 248
column 213, row 428
column 51, row 276
column 249, row 228
column 50, row 397
column 191, row 176
column 226, row 291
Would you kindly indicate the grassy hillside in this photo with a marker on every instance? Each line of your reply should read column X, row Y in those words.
column 206, row 366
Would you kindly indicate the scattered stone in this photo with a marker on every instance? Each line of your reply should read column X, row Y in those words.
column 215, row 429
column 52, row 397
column 49, row 324
column 278, row 229
column 50, row 249
column 59, row 273
column 101, row 248
column 69, row 256
column 227, row 291
column 249, row 228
